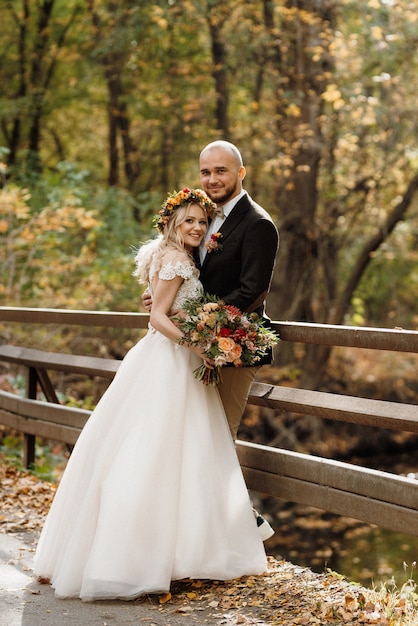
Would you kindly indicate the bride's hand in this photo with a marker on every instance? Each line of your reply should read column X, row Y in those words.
column 177, row 314
column 209, row 363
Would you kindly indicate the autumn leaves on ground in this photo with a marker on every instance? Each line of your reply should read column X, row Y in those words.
column 287, row 594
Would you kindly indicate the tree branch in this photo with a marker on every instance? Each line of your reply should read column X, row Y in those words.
column 371, row 246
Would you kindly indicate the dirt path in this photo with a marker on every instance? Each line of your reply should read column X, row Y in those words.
column 286, row 594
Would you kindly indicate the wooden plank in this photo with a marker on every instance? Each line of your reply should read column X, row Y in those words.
column 107, row 319
column 43, row 411
column 393, row 339
column 364, row 411
column 366, row 509
column 75, row 363
column 330, row 473
column 48, row 430
column 379, row 413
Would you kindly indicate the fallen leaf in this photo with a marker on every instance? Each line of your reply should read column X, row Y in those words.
column 369, row 607
column 165, row 598
column 350, row 602
column 214, row 604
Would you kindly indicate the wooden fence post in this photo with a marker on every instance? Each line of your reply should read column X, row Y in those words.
column 29, row 440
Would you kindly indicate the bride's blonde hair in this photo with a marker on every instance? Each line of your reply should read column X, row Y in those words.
column 171, row 238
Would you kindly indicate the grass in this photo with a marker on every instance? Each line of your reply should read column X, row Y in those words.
column 400, row 604
column 50, row 460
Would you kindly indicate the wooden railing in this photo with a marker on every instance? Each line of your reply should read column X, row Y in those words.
column 368, row 495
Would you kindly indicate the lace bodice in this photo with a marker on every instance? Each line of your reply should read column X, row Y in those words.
column 191, row 287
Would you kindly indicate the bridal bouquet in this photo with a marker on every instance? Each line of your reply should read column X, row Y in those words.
column 225, row 334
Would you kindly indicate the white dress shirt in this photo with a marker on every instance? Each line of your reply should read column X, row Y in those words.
column 218, row 220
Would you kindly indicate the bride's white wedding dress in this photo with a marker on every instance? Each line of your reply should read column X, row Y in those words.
column 153, row 491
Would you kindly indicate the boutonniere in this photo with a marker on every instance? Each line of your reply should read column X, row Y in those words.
column 214, row 243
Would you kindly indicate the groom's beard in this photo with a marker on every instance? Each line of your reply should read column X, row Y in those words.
column 226, row 194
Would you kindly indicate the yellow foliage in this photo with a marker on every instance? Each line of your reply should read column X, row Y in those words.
column 13, row 204
column 331, row 93
column 38, row 248
column 317, row 53
column 293, row 110
column 377, row 32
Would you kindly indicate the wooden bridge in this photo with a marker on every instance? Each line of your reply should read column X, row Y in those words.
column 369, row 495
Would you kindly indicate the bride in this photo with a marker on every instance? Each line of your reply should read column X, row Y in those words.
column 153, row 491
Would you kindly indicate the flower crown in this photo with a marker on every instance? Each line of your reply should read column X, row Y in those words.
column 178, row 199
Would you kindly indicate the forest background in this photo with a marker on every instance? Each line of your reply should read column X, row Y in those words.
column 105, row 106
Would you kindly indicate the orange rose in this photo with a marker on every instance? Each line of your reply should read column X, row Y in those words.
column 233, row 355
column 225, row 344
column 236, row 351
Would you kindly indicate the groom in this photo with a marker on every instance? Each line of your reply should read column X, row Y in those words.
column 236, row 264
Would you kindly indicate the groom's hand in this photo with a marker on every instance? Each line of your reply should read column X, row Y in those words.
column 147, row 300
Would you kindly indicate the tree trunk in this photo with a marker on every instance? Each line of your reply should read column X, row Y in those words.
column 219, row 72
column 300, row 137
column 118, row 119
column 15, row 135
column 113, row 89
column 302, row 80
column 39, row 81
column 131, row 163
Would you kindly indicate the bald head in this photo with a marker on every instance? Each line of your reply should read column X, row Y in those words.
column 225, row 146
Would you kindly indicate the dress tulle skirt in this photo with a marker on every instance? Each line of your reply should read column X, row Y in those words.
column 153, row 491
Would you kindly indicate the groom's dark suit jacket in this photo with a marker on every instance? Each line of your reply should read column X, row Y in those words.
column 240, row 273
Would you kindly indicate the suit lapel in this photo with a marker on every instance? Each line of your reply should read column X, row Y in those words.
column 236, row 215
column 232, row 221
